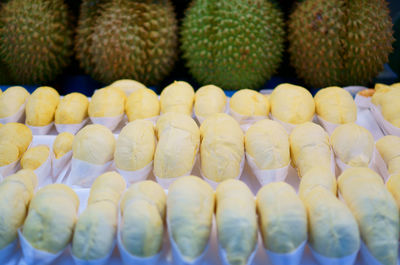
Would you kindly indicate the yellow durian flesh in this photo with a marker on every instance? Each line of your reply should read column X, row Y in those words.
column 236, row 221
column 34, row 157
column 177, row 97
column 309, row 145
column 283, row 218
column 267, row 142
column 16, row 191
column 292, row 104
column 190, row 207
column 375, row 210
column 315, row 177
column 107, row 187
column 18, row 134
column 353, row 144
column 209, row 100
column 335, row 105
column 389, row 148
column 73, row 109
column 107, row 102
column 9, row 153
column 393, row 186
column 221, row 123
column 63, row 144
column 11, row 100
column 128, row 86
column 135, row 146
column 51, row 218
column 248, row 102
column 333, row 231
column 41, row 106
column 387, row 98
column 94, row 144
column 142, row 104
column 174, row 120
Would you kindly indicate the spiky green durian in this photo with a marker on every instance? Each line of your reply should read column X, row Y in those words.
column 339, row 42
column 133, row 39
column 233, row 44
column 35, row 39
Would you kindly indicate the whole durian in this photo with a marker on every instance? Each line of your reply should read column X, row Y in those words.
column 339, row 42
column 233, row 44
column 35, row 39
column 131, row 39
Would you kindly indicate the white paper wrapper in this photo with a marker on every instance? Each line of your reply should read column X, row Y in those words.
column 137, row 175
column 40, row 130
column 246, row 121
column 328, row 126
column 153, row 119
column 43, row 172
column 101, row 261
column 215, row 184
column 34, row 256
column 224, row 257
column 8, row 169
column 367, row 256
column 292, row 258
column 83, row 174
column 71, row 128
column 7, row 252
column 343, row 166
column 348, row 260
column 353, row 90
column 110, row 122
column 363, row 102
column 266, row 176
column 386, row 126
column 59, row 164
column 19, row 116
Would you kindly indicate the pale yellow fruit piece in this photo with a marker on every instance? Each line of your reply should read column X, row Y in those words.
column 95, row 231
column 73, row 109
column 248, row 102
column 149, row 191
column 267, row 142
column 335, row 105
column 283, row 218
column 94, row 144
column 173, row 120
column 393, row 185
column 333, row 231
column 107, row 102
column 292, row 104
column 51, row 218
column 353, row 144
column 375, row 210
column 391, row 108
column 381, row 90
column 63, row 144
column 41, row 106
column 34, row 157
column 9, row 153
column 107, row 187
column 309, row 145
column 11, row 100
column 142, row 104
column 236, row 221
column 209, row 100
column 190, row 207
column 135, row 146
column 389, row 148
column 177, row 97
column 16, row 191
column 315, row 177
column 221, row 123
column 128, row 86
column 18, row 134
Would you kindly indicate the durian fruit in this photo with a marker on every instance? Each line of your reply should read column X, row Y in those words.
column 16, row 192
column 174, row 120
column 283, row 218
column 107, row 102
column 41, row 106
column 35, row 39
column 236, row 221
column 94, row 144
column 249, row 103
column 338, row 42
column 335, row 105
column 11, row 100
column 18, row 134
column 375, row 210
column 34, row 157
column 51, row 218
column 387, row 98
column 209, row 100
column 177, row 97
column 233, row 44
column 72, row 109
column 317, row 177
column 292, row 104
column 353, row 144
column 143, row 212
column 9, row 153
column 190, row 208
column 393, row 186
column 135, row 146
column 389, row 148
column 142, row 104
column 96, row 227
column 128, row 86
column 63, row 144
column 143, row 49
